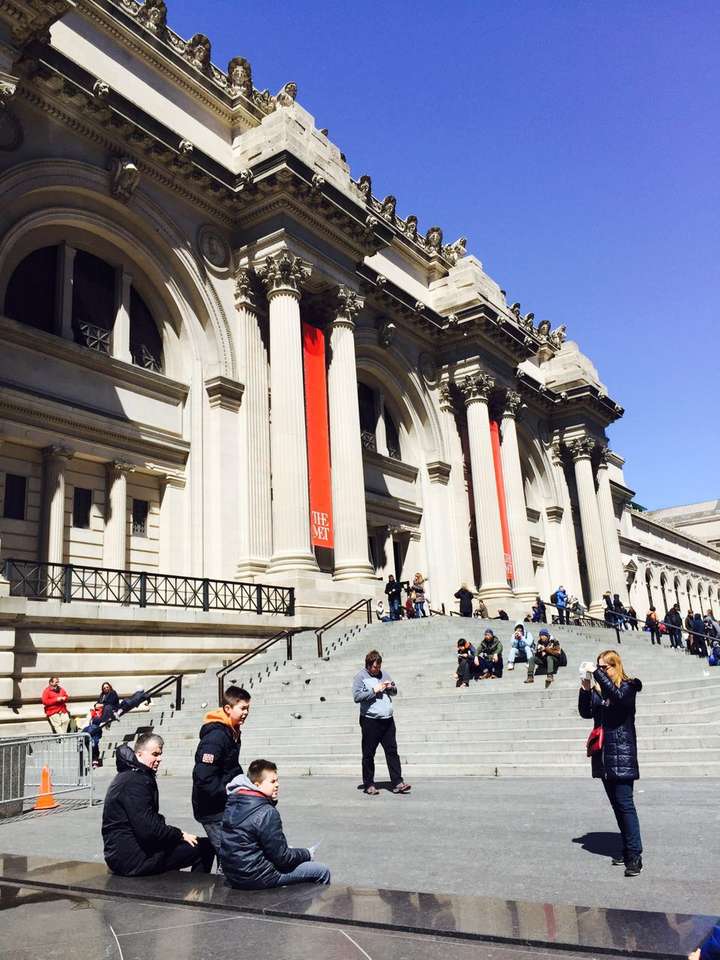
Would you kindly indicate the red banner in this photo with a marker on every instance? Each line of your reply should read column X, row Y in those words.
column 318, row 437
column 502, row 505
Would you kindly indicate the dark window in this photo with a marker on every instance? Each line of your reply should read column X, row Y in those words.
column 392, row 436
column 15, row 495
column 82, row 502
column 368, row 417
column 93, row 293
column 140, row 510
column 31, row 295
column 145, row 339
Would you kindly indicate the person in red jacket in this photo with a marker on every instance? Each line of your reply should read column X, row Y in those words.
column 54, row 700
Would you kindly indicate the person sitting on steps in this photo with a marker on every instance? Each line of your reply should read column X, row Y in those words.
column 466, row 661
column 489, row 659
column 546, row 653
column 522, row 644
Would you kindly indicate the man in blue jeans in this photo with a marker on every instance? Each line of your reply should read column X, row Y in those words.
column 393, row 591
column 254, row 853
column 561, row 600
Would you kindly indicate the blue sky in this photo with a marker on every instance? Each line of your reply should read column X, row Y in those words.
column 576, row 144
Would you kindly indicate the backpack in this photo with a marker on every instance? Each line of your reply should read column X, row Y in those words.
column 553, row 597
column 562, row 659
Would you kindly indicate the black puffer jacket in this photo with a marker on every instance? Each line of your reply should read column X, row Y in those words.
column 216, row 764
column 254, row 852
column 133, row 829
column 614, row 710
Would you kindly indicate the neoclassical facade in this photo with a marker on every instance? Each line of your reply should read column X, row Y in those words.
column 223, row 356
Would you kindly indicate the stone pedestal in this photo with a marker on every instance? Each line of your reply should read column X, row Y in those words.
column 348, row 484
column 283, row 277
column 581, row 451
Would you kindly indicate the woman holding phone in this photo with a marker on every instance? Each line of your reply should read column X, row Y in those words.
column 607, row 697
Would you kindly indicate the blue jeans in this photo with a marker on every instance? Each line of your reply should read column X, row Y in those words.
column 308, row 872
column 620, row 795
column 394, row 608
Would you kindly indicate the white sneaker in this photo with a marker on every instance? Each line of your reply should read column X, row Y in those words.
column 511, row 666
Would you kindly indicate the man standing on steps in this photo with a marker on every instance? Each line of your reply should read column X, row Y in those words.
column 374, row 689
column 217, row 761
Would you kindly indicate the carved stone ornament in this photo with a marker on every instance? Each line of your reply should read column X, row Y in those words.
column 186, row 148
column 513, row 402
column 101, row 90
column 434, row 239
column 58, row 451
column 456, row 251
column 214, row 248
column 445, row 398
column 452, row 321
column 515, row 310
column 420, row 307
column 428, row 368
column 387, row 208
column 286, row 96
column 370, row 224
column 124, row 178
column 244, row 288
column 244, row 179
column 477, row 388
column 198, row 52
column 8, row 86
column 284, row 273
column 350, row 303
column 582, row 448
column 240, row 77
column 119, row 468
column 543, row 328
column 386, row 332
column 36, row 25
column 558, row 336
column 380, row 281
column 603, row 458
column 411, row 227
column 153, row 16
column 317, row 183
column 365, row 187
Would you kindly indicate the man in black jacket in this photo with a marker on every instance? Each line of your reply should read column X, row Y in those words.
column 137, row 840
column 217, row 760
column 254, row 852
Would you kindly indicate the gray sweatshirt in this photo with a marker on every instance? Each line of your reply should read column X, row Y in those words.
column 376, row 706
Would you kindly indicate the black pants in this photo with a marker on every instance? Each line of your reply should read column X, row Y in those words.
column 465, row 669
column 655, row 635
column 374, row 733
column 620, row 795
column 563, row 616
column 491, row 666
column 199, row 859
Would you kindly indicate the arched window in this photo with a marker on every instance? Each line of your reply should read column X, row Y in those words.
column 378, row 428
column 392, row 435
column 31, row 295
column 93, row 302
column 368, row 416
column 663, row 582
column 145, row 340
column 648, row 584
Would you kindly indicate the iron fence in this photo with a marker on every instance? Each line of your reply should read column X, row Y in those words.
column 68, row 582
column 67, row 758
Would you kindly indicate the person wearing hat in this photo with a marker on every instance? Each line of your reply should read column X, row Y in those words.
column 547, row 651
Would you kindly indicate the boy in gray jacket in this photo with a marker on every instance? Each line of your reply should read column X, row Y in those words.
column 374, row 689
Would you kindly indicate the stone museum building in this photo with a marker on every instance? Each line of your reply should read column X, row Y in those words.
column 224, row 358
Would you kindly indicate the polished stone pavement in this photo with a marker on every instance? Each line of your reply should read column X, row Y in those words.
column 522, row 839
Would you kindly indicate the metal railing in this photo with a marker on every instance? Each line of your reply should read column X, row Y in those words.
column 319, row 632
column 286, row 635
column 67, row 757
column 68, row 582
column 93, row 337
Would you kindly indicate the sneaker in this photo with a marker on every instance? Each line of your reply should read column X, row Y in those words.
column 372, row 791
column 548, row 681
column 402, row 788
column 633, row 867
column 529, row 680
column 511, row 666
column 618, row 861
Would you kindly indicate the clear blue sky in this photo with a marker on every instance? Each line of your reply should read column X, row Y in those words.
column 575, row 143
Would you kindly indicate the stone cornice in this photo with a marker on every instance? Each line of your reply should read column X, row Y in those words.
column 32, row 19
column 669, row 533
column 143, row 381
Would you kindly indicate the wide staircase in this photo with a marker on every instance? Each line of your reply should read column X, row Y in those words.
column 303, row 716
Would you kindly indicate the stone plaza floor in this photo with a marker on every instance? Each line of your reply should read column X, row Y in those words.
column 536, row 840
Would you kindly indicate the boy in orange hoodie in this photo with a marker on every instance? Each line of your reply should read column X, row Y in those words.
column 217, row 761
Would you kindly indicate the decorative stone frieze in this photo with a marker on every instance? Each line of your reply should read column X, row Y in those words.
column 153, row 16
column 34, row 19
column 284, row 273
column 476, row 389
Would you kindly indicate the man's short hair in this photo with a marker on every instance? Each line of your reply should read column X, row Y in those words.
column 145, row 739
column 258, row 767
column 234, row 695
column 371, row 657
column 50, row 680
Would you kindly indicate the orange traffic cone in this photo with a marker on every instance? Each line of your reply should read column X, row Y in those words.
column 46, row 800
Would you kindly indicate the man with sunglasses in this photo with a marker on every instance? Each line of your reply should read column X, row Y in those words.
column 374, row 689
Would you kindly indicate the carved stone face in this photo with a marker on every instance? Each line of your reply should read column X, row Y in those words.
column 240, row 74
column 291, row 90
column 434, row 238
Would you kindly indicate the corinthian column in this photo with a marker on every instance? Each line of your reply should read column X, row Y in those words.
column 524, row 573
column 348, row 484
column 613, row 557
column 493, row 589
column 55, row 459
column 581, row 451
column 116, row 517
column 283, row 276
column 255, row 498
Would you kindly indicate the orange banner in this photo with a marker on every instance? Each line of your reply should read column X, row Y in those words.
column 318, row 437
column 502, row 505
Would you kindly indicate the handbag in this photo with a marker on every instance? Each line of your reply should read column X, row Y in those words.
column 595, row 741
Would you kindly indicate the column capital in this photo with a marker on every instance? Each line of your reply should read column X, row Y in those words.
column 476, row 389
column 245, row 295
column 57, row 451
column 284, row 273
column 445, row 398
column 512, row 403
column 582, row 448
column 119, row 468
column 349, row 305
column 603, row 461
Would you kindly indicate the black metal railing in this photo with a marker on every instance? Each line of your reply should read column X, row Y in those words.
column 68, row 582
column 93, row 337
column 319, row 631
column 175, row 679
column 286, row 635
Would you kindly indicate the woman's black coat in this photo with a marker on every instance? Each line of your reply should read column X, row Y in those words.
column 614, row 710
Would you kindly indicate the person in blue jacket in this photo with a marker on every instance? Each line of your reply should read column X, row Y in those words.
column 561, row 602
column 710, row 949
column 254, row 853
column 607, row 697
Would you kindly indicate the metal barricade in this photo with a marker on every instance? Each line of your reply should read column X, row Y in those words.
column 69, row 762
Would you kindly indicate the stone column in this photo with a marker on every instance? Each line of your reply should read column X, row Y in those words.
column 493, row 588
column 613, row 557
column 581, row 451
column 222, row 468
column 121, row 329
column 256, row 511
column 64, row 291
column 173, row 525
column 283, row 276
column 4, row 584
column 555, row 551
column 566, row 568
column 524, row 574
column 55, row 460
column 116, row 516
column 348, row 483
column 459, row 515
